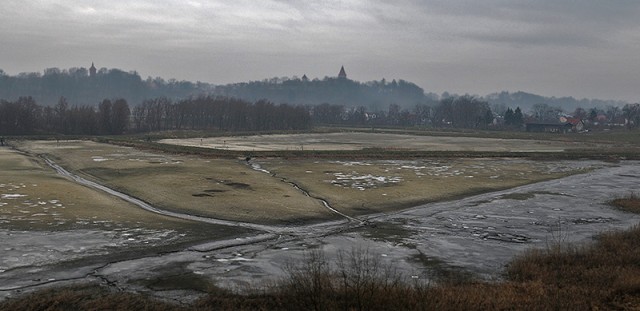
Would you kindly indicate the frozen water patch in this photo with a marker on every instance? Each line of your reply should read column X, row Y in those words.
column 258, row 167
column 352, row 163
column 24, row 248
column 363, row 182
column 12, row 196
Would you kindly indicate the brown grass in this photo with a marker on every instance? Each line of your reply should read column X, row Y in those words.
column 51, row 202
column 630, row 203
column 420, row 181
column 230, row 189
column 210, row 187
column 88, row 297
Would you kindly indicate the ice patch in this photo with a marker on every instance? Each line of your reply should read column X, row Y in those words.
column 258, row 167
column 99, row 159
column 12, row 196
column 363, row 182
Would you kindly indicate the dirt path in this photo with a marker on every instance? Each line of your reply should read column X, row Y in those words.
column 146, row 206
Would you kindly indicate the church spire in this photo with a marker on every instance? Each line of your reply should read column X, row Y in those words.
column 92, row 70
column 342, row 74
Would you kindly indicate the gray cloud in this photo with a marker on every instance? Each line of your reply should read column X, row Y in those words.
column 470, row 46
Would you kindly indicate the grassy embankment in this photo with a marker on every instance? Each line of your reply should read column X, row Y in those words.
column 604, row 275
column 34, row 199
column 209, row 187
column 230, row 189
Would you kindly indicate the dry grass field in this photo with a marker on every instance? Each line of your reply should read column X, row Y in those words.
column 34, row 197
column 232, row 190
column 46, row 218
column 220, row 188
column 358, row 187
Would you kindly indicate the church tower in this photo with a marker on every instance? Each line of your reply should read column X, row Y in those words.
column 92, row 71
column 342, row 74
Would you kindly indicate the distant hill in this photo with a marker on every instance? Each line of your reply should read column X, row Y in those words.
column 373, row 95
column 79, row 88
column 82, row 87
column 526, row 101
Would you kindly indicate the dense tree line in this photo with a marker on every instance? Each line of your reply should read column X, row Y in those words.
column 463, row 112
column 459, row 112
column 218, row 113
column 513, row 118
column 113, row 117
column 631, row 114
column 24, row 116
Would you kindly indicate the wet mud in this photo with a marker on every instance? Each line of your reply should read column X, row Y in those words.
column 475, row 236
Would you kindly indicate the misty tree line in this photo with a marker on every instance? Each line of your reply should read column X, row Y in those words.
column 373, row 95
column 218, row 113
column 458, row 112
column 113, row 117
column 24, row 116
column 472, row 113
column 77, row 86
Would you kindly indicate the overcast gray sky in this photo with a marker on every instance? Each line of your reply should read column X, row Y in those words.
column 580, row 48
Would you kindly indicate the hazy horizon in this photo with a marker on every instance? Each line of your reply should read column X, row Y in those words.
column 586, row 49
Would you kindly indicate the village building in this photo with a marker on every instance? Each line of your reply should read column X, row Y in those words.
column 577, row 125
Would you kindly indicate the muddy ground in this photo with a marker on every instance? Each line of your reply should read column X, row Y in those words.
column 361, row 140
column 477, row 234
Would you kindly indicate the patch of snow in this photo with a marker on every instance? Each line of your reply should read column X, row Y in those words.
column 12, row 196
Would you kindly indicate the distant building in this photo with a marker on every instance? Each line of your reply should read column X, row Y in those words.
column 576, row 123
column 304, row 78
column 549, row 127
column 342, row 74
column 92, row 70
